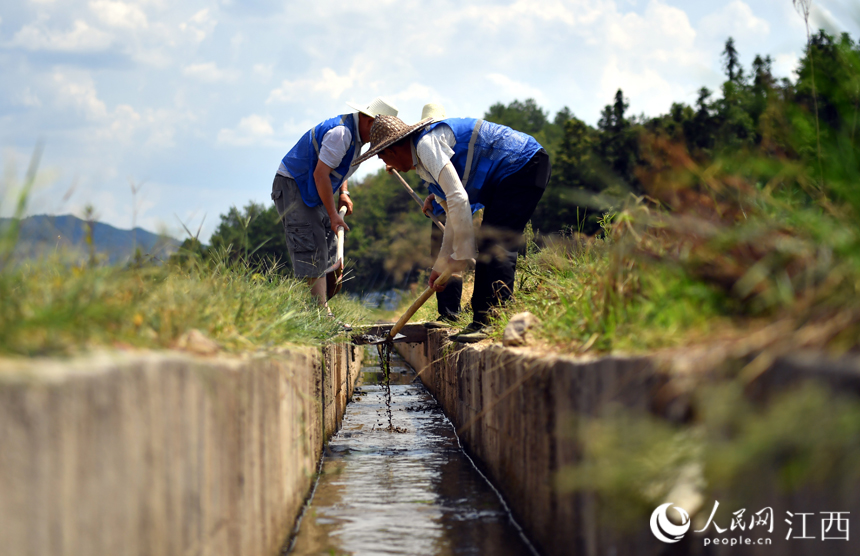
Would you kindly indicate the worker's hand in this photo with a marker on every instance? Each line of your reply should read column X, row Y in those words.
column 336, row 221
column 456, row 268
column 428, row 205
column 345, row 201
column 434, row 274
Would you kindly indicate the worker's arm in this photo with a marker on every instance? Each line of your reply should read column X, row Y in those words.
column 322, row 179
column 458, row 241
column 345, row 200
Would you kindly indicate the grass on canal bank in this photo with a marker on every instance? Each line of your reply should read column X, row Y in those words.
column 707, row 252
column 49, row 308
column 727, row 262
column 60, row 305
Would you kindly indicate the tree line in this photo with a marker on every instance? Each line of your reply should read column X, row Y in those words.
column 756, row 116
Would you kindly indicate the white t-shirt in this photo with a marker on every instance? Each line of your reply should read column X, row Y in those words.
column 333, row 148
column 433, row 152
column 432, row 158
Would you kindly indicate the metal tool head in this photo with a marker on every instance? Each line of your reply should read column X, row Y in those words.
column 372, row 339
column 381, row 333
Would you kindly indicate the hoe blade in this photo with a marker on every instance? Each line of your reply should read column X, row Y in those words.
column 411, row 333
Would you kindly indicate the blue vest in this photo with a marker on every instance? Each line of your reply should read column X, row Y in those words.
column 485, row 154
column 302, row 159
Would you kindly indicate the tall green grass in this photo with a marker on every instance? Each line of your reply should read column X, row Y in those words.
column 54, row 306
column 48, row 307
column 712, row 248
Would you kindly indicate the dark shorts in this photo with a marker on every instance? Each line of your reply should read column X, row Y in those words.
column 311, row 242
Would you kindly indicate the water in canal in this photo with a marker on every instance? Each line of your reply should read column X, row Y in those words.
column 408, row 491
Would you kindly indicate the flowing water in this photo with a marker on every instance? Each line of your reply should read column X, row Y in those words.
column 407, row 489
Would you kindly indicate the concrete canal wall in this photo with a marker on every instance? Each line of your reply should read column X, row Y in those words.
column 515, row 412
column 164, row 453
column 509, row 407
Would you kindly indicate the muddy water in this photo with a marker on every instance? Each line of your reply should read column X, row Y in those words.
column 409, row 492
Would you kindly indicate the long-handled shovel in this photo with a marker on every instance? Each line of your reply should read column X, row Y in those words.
column 428, row 293
column 393, row 334
column 418, row 200
column 334, row 273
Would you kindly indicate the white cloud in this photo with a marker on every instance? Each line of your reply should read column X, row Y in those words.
column 651, row 90
column 328, row 83
column 571, row 13
column 162, row 124
column 662, row 33
column 122, row 123
column 210, row 73
column 109, row 128
column 822, row 17
column 78, row 92
column 509, row 88
column 297, row 129
column 28, row 98
column 414, row 91
column 263, row 71
column 199, row 25
column 785, row 65
column 252, row 130
column 179, row 74
column 736, row 20
column 119, row 14
column 81, row 38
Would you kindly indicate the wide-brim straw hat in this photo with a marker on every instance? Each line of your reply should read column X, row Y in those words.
column 377, row 106
column 387, row 130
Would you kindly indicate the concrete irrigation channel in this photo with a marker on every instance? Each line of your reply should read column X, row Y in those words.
column 170, row 453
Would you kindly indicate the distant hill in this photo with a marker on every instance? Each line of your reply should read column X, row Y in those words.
column 41, row 235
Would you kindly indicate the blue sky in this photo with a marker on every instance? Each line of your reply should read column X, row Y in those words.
column 199, row 100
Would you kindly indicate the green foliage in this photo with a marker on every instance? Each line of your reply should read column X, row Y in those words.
column 588, row 300
column 736, row 221
column 526, row 116
column 576, row 173
column 50, row 307
column 734, row 450
column 759, row 132
column 9, row 234
column 254, row 234
column 389, row 241
column 632, row 461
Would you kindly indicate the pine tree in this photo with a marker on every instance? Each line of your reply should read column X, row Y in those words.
column 731, row 61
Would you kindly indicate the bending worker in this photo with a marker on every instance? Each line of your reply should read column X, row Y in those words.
column 472, row 161
column 309, row 179
column 447, row 300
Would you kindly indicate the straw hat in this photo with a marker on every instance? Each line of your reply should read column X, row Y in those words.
column 433, row 110
column 387, row 130
column 377, row 106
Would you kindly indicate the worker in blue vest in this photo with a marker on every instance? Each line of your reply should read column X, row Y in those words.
column 309, row 179
column 471, row 161
column 447, row 300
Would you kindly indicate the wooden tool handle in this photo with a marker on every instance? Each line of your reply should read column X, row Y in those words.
column 342, row 213
column 419, row 201
column 428, row 293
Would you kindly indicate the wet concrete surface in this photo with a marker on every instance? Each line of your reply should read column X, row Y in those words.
column 410, row 492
